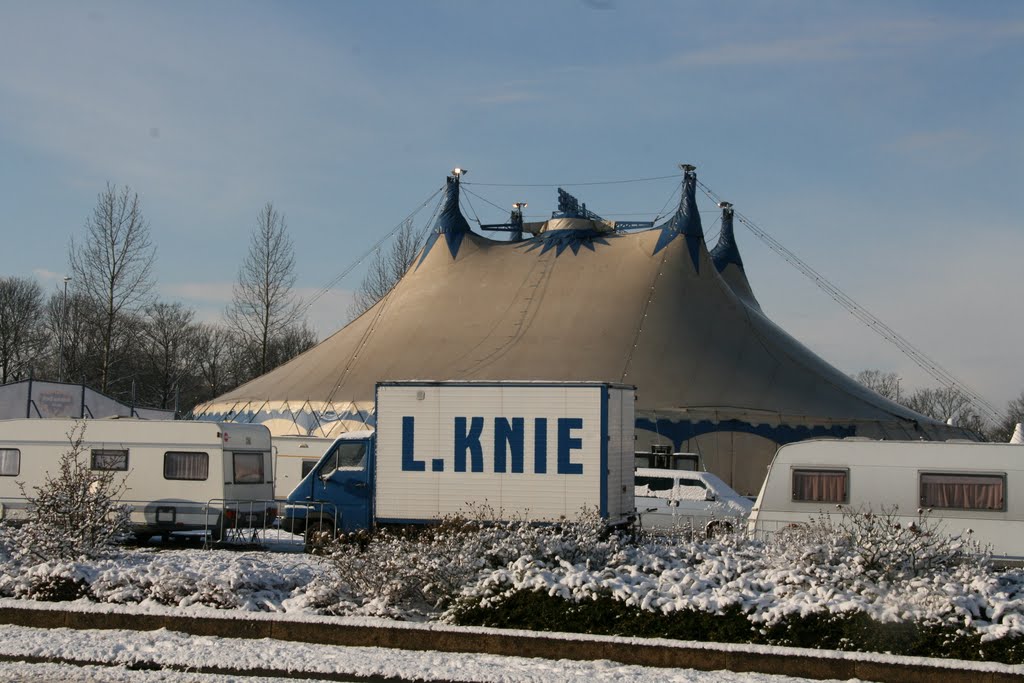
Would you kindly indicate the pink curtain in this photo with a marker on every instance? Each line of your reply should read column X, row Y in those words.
column 962, row 491
column 819, row 486
column 192, row 466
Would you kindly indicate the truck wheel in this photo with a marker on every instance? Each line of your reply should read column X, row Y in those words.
column 319, row 534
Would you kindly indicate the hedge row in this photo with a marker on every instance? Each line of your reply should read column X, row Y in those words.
column 854, row 631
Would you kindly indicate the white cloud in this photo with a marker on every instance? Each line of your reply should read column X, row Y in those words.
column 834, row 42
column 326, row 315
column 47, row 275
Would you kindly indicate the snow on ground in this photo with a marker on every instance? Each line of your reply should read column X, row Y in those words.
column 170, row 649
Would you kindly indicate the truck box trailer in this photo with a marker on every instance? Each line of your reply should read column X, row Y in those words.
column 538, row 451
column 963, row 484
column 179, row 475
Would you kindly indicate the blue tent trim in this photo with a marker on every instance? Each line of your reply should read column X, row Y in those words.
column 685, row 221
column 726, row 251
column 683, row 431
column 450, row 222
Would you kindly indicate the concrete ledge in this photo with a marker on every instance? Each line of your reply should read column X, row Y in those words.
column 803, row 663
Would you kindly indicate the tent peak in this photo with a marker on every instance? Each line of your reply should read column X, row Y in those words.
column 726, row 251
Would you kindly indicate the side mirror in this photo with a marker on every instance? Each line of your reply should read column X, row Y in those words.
column 710, row 495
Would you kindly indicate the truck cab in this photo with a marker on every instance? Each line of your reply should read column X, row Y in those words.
column 337, row 493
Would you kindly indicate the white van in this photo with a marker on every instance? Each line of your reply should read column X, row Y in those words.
column 294, row 458
column 180, row 475
column 681, row 499
column 963, row 485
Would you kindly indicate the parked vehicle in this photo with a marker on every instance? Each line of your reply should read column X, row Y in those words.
column 684, row 500
column 539, row 451
column 962, row 484
column 180, row 475
column 294, row 458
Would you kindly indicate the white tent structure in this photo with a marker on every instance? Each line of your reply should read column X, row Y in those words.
column 32, row 398
column 582, row 300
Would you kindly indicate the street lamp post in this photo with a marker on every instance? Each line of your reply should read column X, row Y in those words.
column 63, row 324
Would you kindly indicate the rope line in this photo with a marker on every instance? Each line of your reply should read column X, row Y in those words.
column 595, row 182
column 352, row 266
column 920, row 358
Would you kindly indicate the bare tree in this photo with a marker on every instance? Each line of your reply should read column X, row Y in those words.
column 947, row 404
column 169, row 350
column 885, row 384
column 215, row 346
column 77, row 319
column 113, row 266
column 21, row 338
column 1014, row 414
column 387, row 269
column 264, row 304
column 290, row 343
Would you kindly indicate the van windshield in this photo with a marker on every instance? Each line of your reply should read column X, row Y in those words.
column 347, row 455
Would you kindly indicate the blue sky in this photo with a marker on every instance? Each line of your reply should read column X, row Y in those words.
column 882, row 142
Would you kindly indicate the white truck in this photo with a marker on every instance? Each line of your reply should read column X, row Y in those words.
column 683, row 500
column 963, row 484
column 538, row 451
column 179, row 475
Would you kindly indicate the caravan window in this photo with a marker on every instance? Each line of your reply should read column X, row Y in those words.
column 105, row 459
column 248, row 468
column 307, row 467
column 954, row 491
column 189, row 466
column 10, row 462
column 820, row 486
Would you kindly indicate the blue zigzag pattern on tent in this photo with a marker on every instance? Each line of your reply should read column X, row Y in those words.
column 685, row 430
column 560, row 240
column 453, row 239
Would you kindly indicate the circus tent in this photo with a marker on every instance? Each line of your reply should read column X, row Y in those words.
column 579, row 298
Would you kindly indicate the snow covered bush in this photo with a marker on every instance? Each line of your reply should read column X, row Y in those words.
column 855, row 580
column 878, row 545
column 417, row 572
column 76, row 512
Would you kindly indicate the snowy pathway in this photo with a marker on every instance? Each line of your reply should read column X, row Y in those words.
column 183, row 655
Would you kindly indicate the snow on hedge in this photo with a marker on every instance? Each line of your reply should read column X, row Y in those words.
column 864, row 563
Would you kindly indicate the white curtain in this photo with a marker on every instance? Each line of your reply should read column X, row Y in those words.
column 192, row 466
column 10, row 462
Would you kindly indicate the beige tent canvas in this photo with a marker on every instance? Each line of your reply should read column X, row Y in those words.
column 578, row 299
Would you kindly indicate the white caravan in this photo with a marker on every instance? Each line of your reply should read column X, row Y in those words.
column 963, row 485
column 681, row 499
column 294, row 458
column 180, row 475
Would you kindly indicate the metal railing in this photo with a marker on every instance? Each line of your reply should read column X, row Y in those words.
column 270, row 523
